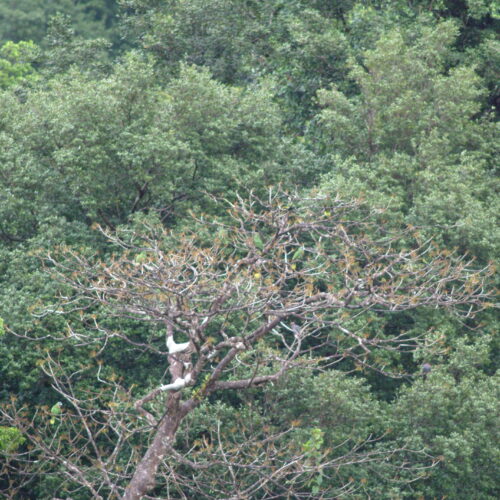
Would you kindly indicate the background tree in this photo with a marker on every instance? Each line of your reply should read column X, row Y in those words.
column 409, row 137
column 454, row 414
column 25, row 20
column 16, row 63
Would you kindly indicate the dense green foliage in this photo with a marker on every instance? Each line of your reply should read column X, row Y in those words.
column 24, row 20
column 393, row 102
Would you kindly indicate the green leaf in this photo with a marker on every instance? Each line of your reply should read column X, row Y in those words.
column 10, row 439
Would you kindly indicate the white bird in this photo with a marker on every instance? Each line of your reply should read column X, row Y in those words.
column 178, row 383
column 174, row 348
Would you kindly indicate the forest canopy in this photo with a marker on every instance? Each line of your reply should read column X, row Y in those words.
column 248, row 249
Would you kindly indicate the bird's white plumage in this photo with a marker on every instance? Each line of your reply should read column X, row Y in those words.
column 177, row 384
column 174, row 348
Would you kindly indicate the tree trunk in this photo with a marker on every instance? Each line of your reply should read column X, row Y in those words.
column 143, row 479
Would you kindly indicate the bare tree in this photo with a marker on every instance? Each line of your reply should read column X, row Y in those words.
column 277, row 285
